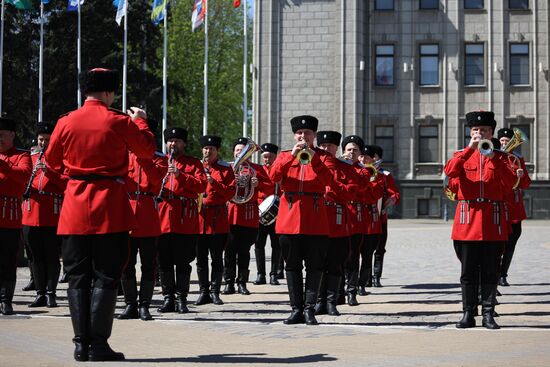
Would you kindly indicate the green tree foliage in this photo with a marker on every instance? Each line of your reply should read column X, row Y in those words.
column 102, row 46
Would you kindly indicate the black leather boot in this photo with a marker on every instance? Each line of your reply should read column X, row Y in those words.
column 102, row 309
column 376, row 282
column 40, row 300
column 351, row 292
column 377, row 268
column 51, row 285
column 30, row 286
column 229, row 275
column 321, row 305
column 333, row 285
column 260, row 265
column 64, row 278
column 129, row 287
column 281, row 268
column 146, row 289
column 39, row 272
column 273, row 280
column 469, row 302
column 204, row 285
column 215, row 288
column 241, row 284
column 168, row 289
column 79, row 307
column 6, row 296
column 51, row 299
column 296, row 295
column 503, row 282
column 488, row 306
column 313, row 281
column 342, row 292
column 362, row 291
column 182, row 289
column 229, row 287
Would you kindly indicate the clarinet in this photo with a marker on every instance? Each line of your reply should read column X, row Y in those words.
column 159, row 198
column 27, row 193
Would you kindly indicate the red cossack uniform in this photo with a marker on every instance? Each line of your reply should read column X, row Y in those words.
column 247, row 214
column 336, row 198
column 179, row 211
column 514, row 198
column 213, row 216
column 15, row 172
column 482, row 181
column 267, row 190
column 143, row 184
column 390, row 191
column 44, row 205
column 364, row 214
column 96, row 200
column 302, row 207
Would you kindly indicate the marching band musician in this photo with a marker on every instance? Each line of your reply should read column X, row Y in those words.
column 390, row 198
column 90, row 145
column 338, row 217
column 179, row 215
column 41, row 209
column 479, row 226
column 269, row 153
column 516, row 208
column 142, row 184
column 15, row 171
column 302, row 222
column 364, row 220
column 243, row 221
column 213, row 219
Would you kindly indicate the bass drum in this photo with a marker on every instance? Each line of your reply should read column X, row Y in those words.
column 269, row 208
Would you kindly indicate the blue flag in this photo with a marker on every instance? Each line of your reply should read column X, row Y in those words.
column 157, row 13
column 73, row 5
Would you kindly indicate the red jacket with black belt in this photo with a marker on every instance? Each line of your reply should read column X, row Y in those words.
column 213, row 215
column 15, row 172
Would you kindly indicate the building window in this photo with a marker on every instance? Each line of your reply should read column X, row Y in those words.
column 384, row 64
column 429, row 4
column 383, row 137
column 524, row 149
column 519, row 64
column 518, row 4
column 383, row 5
column 427, row 207
column 474, row 71
column 428, row 144
column 429, row 64
column 473, row 4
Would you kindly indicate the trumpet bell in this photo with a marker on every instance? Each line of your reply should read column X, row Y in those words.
column 304, row 157
column 486, row 147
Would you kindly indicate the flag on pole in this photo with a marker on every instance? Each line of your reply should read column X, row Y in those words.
column 121, row 10
column 45, row 2
column 21, row 4
column 157, row 13
column 236, row 3
column 73, row 5
column 199, row 11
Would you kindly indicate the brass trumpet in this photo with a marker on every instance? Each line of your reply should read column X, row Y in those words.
column 159, row 197
column 304, row 157
column 485, row 147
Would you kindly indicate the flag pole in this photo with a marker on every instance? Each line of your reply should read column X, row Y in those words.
column 205, row 107
column 41, row 63
column 245, row 75
column 124, row 64
column 164, row 67
column 1, row 54
column 78, row 58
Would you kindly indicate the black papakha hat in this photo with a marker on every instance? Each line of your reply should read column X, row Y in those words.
column 505, row 133
column 99, row 80
column 241, row 140
column 210, row 140
column 331, row 137
column 44, row 127
column 175, row 133
column 304, row 122
column 268, row 147
column 369, row 150
column 7, row 123
column 353, row 139
column 481, row 118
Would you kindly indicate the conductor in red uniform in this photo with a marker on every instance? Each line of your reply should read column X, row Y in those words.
column 41, row 207
column 179, row 216
column 480, row 227
column 302, row 222
column 15, row 171
column 213, row 219
column 90, row 145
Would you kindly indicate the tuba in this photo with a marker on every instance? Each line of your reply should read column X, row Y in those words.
column 244, row 191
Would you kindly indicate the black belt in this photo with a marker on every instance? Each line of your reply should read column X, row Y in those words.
column 46, row 193
column 333, row 203
column 213, row 206
column 94, row 177
column 314, row 195
column 479, row 200
column 142, row 193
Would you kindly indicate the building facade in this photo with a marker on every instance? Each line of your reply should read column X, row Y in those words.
column 402, row 74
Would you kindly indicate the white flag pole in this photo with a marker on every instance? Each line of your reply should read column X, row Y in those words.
column 78, row 59
column 164, row 71
column 245, row 65
column 41, row 63
column 1, row 53
column 205, row 107
column 124, row 63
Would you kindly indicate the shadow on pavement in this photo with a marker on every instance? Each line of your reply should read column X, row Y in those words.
column 239, row 358
column 432, row 286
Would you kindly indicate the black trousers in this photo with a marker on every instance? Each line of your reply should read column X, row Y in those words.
column 510, row 248
column 336, row 256
column 175, row 249
column 276, row 256
column 98, row 257
column 354, row 251
column 213, row 244
column 237, row 252
column 482, row 256
column 304, row 249
column 9, row 246
column 147, row 248
column 44, row 244
column 370, row 242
